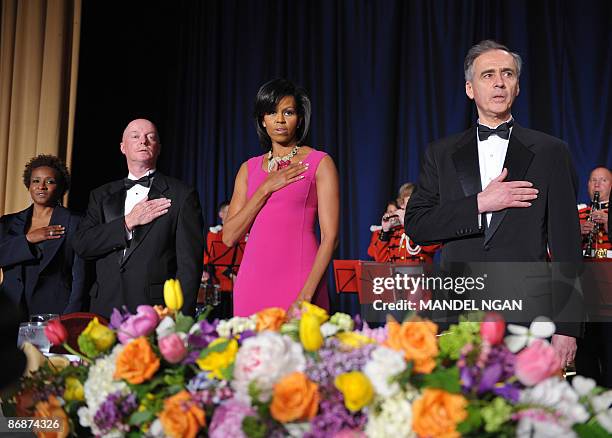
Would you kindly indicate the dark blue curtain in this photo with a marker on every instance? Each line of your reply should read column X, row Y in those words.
column 385, row 78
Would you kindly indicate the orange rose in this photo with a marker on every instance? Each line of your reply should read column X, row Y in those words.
column 437, row 413
column 271, row 319
column 52, row 408
column 137, row 362
column 417, row 339
column 182, row 417
column 295, row 398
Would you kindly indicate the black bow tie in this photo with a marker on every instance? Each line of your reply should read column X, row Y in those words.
column 145, row 181
column 503, row 131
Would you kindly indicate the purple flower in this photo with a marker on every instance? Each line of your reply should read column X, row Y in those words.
column 333, row 416
column 490, row 376
column 488, row 370
column 245, row 335
column 113, row 411
column 203, row 335
column 118, row 317
column 227, row 419
column 141, row 324
column 333, row 362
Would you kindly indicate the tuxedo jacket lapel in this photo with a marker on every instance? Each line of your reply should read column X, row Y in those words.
column 113, row 205
column 465, row 159
column 60, row 216
column 518, row 159
column 158, row 187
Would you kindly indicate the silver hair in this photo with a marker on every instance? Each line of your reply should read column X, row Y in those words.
column 483, row 47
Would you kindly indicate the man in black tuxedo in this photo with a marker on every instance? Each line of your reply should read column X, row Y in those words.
column 498, row 192
column 142, row 230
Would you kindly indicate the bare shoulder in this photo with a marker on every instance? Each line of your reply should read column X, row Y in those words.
column 327, row 168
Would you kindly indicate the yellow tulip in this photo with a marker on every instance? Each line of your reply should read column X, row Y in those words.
column 102, row 337
column 310, row 332
column 173, row 294
column 353, row 340
column 74, row 389
column 216, row 362
column 311, row 309
column 356, row 388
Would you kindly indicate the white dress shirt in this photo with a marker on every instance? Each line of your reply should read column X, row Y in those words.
column 134, row 195
column 491, row 157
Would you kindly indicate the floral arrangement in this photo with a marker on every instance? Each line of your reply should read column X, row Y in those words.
column 160, row 373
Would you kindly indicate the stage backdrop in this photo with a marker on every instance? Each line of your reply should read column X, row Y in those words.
column 385, row 78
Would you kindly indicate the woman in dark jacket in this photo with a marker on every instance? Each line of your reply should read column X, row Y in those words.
column 42, row 274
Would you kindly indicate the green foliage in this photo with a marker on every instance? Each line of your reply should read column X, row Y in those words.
column 183, row 323
column 446, row 379
column 141, row 417
column 253, row 427
column 495, row 414
column 592, row 429
column 87, row 346
column 217, row 348
column 472, row 423
column 452, row 341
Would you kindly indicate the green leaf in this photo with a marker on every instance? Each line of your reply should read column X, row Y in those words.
column 591, row 430
column 87, row 346
column 183, row 323
column 472, row 423
column 447, row 380
column 217, row 348
column 253, row 427
column 205, row 313
column 138, row 418
column 228, row 372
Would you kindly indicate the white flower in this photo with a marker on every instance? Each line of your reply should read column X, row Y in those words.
column 540, row 328
column 165, row 327
column 601, row 405
column 99, row 384
column 393, row 419
column 156, row 430
column 559, row 395
column 583, row 385
column 343, row 321
column 328, row 329
column 384, row 364
column 264, row 359
column 297, row 430
column 542, row 426
column 236, row 325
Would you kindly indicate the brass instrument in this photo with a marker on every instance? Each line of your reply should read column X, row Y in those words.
column 590, row 247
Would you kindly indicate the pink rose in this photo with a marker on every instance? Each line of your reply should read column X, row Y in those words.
column 536, row 363
column 141, row 324
column 492, row 328
column 172, row 348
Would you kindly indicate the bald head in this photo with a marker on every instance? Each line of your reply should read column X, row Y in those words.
column 137, row 125
column 140, row 145
column 600, row 181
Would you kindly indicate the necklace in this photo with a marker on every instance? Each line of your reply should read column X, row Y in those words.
column 281, row 161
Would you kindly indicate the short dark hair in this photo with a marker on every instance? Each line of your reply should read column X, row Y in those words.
column 483, row 47
column 223, row 204
column 268, row 97
column 61, row 171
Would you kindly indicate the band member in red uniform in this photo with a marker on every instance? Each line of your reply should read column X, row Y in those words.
column 224, row 273
column 594, row 355
column 599, row 181
column 389, row 242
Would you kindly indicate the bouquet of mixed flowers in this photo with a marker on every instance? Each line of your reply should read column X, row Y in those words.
column 160, row 373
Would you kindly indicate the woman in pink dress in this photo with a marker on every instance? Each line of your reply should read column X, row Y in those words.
column 278, row 196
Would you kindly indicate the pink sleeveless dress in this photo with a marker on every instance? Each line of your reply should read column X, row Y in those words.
column 282, row 244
